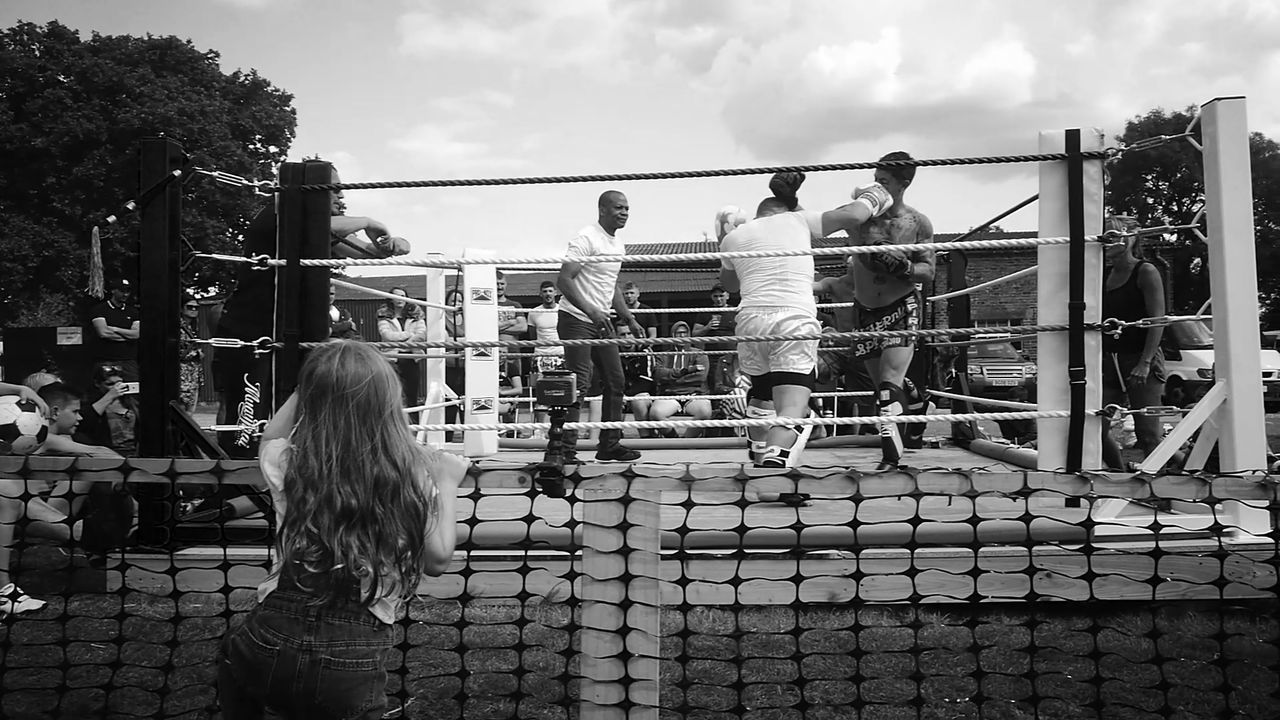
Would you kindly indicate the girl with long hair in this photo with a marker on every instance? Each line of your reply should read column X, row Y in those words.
column 363, row 513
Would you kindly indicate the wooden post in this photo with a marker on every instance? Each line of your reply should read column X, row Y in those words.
column 159, row 295
column 1053, row 288
column 302, row 295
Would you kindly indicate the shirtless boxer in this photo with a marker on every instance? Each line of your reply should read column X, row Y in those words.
column 885, row 289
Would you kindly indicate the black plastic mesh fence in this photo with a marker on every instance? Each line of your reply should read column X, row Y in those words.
column 703, row 591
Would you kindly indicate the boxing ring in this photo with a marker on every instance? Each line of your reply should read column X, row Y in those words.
column 693, row 584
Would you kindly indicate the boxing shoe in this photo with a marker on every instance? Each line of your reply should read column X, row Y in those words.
column 617, row 452
column 13, row 601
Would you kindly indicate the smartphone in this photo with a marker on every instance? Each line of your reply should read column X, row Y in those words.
column 128, row 388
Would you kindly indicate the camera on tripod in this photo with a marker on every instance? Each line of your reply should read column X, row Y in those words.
column 556, row 389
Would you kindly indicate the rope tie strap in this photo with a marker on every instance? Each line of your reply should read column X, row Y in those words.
column 1116, row 237
column 1115, row 412
column 1156, row 141
column 260, row 346
column 256, row 428
column 452, row 263
column 1115, row 326
column 260, row 187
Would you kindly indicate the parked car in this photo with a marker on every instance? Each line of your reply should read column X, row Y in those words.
column 1188, row 358
column 995, row 368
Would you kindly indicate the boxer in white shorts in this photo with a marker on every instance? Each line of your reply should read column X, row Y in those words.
column 777, row 299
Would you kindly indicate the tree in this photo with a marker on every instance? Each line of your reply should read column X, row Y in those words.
column 72, row 115
column 1165, row 185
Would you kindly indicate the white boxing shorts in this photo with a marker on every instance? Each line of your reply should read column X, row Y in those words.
column 796, row 356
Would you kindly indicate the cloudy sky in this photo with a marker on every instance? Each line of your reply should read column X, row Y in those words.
column 415, row 89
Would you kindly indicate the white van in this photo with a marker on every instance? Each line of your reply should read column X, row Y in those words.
column 1188, row 360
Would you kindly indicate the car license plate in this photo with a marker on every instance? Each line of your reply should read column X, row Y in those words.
column 1004, row 382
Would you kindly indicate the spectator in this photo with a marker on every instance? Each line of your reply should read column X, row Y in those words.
column 542, row 326
column 683, row 374
column 400, row 321
column 52, row 509
column 510, row 388
column 638, row 370
column 110, row 420
column 115, row 328
column 723, row 370
column 190, row 354
column 39, row 379
column 13, row 601
column 100, row 515
column 511, row 324
column 341, row 325
column 647, row 320
column 363, row 514
column 1133, row 371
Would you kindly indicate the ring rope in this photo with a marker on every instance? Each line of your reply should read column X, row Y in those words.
column 266, row 344
column 703, row 351
column 678, row 310
column 424, row 356
column 393, row 296
column 983, row 286
column 730, row 396
column 1003, row 338
column 831, row 336
column 748, row 422
column 984, row 401
column 687, row 174
column 434, row 406
column 264, row 262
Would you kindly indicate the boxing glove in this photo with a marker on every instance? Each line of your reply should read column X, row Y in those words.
column 874, row 197
column 728, row 218
column 389, row 246
column 890, row 262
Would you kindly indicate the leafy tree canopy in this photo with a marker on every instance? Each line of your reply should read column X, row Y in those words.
column 72, row 115
column 1165, row 185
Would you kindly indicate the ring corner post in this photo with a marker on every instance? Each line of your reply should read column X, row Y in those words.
column 301, row 297
column 1233, row 281
column 433, row 368
column 480, row 309
column 1071, row 199
column 159, row 290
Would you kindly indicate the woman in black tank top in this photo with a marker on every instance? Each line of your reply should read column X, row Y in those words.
column 1132, row 364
